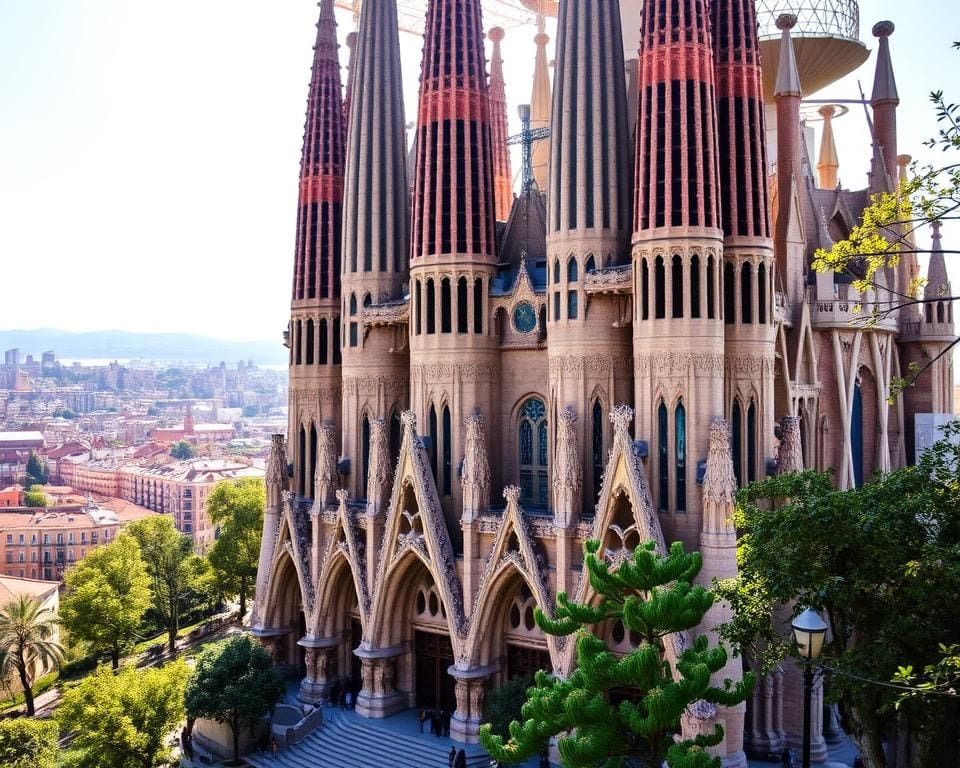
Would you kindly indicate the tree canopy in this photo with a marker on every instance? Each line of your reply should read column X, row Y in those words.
column 882, row 564
column 182, row 450
column 28, row 643
column 236, row 508
column 36, row 470
column 28, row 743
column 123, row 719
column 235, row 683
column 107, row 594
column 35, row 499
column 653, row 595
column 166, row 553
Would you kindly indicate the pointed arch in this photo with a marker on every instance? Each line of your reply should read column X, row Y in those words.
column 660, row 289
column 573, row 270
column 680, row 456
column 663, row 457
column 676, row 284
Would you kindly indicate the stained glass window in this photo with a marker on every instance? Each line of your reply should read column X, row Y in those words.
column 752, row 442
column 597, row 443
column 534, row 456
column 663, row 453
column 681, row 450
column 525, row 318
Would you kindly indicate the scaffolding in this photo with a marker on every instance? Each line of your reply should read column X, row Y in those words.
column 508, row 14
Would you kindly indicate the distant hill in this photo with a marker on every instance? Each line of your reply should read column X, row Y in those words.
column 159, row 347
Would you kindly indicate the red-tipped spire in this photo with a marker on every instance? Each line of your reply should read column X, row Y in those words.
column 676, row 179
column 453, row 193
column 317, row 265
column 502, row 175
column 740, row 121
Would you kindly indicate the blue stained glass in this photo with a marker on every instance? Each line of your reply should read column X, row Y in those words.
column 542, row 438
column 534, row 410
column 526, row 443
column 663, row 456
column 525, row 318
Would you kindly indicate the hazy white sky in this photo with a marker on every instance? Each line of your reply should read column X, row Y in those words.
column 149, row 152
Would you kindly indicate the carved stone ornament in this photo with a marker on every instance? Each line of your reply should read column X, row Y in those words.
column 791, row 447
column 568, row 470
column 720, row 482
column 476, row 467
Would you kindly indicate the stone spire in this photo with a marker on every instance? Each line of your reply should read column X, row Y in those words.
column 351, row 67
column 740, row 123
column 376, row 206
column 317, row 265
column 378, row 471
column 938, row 282
column 828, row 161
column 476, row 471
column 326, row 478
column 453, row 193
column 568, row 470
column 589, row 194
column 676, row 182
column 541, row 103
column 885, row 100
column 502, row 175
column 276, row 486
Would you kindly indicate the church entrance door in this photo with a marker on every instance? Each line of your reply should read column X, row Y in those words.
column 524, row 662
column 435, row 687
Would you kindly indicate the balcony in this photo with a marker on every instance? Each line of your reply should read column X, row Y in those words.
column 844, row 307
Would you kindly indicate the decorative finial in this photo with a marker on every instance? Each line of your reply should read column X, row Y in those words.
column 496, row 34
column 512, row 494
column 786, row 21
column 883, row 29
column 343, row 497
column 904, row 160
column 409, row 419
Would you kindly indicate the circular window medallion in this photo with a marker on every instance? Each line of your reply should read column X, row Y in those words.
column 525, row 318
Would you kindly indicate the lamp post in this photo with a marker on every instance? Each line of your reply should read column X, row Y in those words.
column 809, row 631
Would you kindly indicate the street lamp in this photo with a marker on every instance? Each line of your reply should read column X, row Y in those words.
column 809, row 631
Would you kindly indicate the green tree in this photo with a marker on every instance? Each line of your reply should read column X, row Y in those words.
column 653, row 595
column 182, row 451
column 503, row 705
column 107, row 595
column 35, row 498
column 36, row 470
column 167, row 555
column 235, row 684
column 123, row 719
column 28, row 743
column 882, row 564
column 27, row 644
column 236, row 508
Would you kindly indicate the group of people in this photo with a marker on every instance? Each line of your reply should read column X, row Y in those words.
column 439, row 720
column 343, row 693
column 457, row 759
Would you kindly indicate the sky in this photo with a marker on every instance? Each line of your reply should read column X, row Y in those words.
column 149, row 152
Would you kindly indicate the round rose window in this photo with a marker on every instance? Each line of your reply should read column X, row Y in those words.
column 525, row 318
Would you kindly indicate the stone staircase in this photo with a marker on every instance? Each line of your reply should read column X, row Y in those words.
column 346, row 740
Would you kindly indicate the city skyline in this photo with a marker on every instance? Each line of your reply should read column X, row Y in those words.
column 171, row 160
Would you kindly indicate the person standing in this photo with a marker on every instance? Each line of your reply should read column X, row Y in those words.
column 461, row 760
column 452, row 757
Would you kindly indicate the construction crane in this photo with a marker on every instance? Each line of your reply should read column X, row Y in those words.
column 496, row 13
column 526, row 138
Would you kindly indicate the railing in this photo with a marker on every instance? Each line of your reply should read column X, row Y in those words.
column 815, row 18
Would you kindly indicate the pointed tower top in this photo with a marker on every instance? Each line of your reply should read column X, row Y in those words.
column 317, row 263
column 938, row 282
column 884, row 83
column 788, row 76
column 903, row 162
column 541, row 102
column 351, row 66
column 502, row 175
column 828, row 162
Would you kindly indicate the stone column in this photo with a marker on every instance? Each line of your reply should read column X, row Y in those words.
column 378, row 698
column 315, row 686
column 470, row 692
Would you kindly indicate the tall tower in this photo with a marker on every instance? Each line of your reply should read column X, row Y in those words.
column 678, row 322
column 315, row 323
column 502, row 175
column 453, row 354
column 748, row 264
column 540, row 104
column 588, row 230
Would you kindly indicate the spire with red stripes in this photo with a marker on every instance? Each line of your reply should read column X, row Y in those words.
column 317, row 264
column 454, row 208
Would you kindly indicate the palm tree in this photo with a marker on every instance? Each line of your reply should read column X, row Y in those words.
column 26, row 642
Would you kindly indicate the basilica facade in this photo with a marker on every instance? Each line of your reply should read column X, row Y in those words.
column 481, row 380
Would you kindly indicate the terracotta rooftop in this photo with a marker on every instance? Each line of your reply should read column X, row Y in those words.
column 11, row 588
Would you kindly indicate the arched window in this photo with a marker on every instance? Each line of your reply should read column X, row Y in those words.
column 659, row 289
column 711, row 289
column 939, row 311
column 663, row 456
column 433, row 442
column 572, row 270
column 680, row 446
column 445, row 310
column 364, row 454
column 746, row 293
column 556, row 272
column 298, row 340
column 324, row 342
column 929, row 310
column 431, row 307
column 354, row 328
column 447, row 451
column 417, row 309
column 736, row 421
column 556, row 306
column 302, row 474
column 856, row 436
column 591, row 265
column 597, row 446
column 337, row 352
column 645, row 289
column 478, row 308
column 532, row 434
column 310, row 342
column 573, row 308
column 463, row 324
column 762, row 294
column 677, row 282
column 313, row 459
column 694, row 286
column 752, row 441
column 729, row 294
